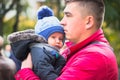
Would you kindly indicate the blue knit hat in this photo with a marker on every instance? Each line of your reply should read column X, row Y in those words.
column 47, row 23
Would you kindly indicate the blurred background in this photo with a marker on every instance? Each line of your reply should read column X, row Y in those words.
column 16, row 15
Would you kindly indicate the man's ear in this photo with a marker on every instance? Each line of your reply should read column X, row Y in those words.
column 89, row 22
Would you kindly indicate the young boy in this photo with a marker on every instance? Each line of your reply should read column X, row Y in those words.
column 47, row 30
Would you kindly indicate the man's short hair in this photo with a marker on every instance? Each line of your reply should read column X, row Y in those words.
column 96, row 8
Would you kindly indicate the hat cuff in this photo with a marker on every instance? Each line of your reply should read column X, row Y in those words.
column 46, row 33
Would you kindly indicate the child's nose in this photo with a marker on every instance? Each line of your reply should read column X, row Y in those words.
column 57, row 40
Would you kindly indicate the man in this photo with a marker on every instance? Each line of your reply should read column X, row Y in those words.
column 89, row 55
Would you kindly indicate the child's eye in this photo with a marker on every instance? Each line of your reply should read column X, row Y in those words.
column 61, row 39
column 53, row 36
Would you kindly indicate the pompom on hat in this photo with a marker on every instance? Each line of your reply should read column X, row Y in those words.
column 47, row 23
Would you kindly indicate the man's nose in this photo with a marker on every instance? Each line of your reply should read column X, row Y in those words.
column 62, row 22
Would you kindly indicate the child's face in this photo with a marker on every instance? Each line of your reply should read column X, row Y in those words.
column 56, row 40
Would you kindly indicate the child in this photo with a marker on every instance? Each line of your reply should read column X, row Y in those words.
column 47, row 30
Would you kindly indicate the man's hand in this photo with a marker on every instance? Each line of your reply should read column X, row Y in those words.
column 27, row 63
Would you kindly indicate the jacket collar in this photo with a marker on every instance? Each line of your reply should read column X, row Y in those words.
column 97, row 36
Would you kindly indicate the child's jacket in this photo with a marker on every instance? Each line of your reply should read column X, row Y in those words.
column 47, row 63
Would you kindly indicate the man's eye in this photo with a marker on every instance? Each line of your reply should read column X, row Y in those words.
column 68, row 15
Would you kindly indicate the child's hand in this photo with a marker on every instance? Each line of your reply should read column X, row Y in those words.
column 27, row 63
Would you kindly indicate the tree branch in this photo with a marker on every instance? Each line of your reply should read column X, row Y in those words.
column 10, row 7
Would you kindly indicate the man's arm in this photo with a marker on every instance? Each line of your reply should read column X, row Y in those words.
column 26, row 73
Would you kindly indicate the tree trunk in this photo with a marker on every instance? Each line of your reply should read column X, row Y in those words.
column 58, row 8
column 1, row 26
column 15, row 26
column 3, row 11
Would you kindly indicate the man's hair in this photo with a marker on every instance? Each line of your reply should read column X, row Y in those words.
column 96, row 8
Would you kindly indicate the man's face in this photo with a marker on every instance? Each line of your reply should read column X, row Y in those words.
column 73, row 22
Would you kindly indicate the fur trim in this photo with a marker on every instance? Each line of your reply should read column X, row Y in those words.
column 25, row 35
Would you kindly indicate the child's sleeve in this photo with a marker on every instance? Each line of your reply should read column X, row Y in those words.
column 21, row 40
